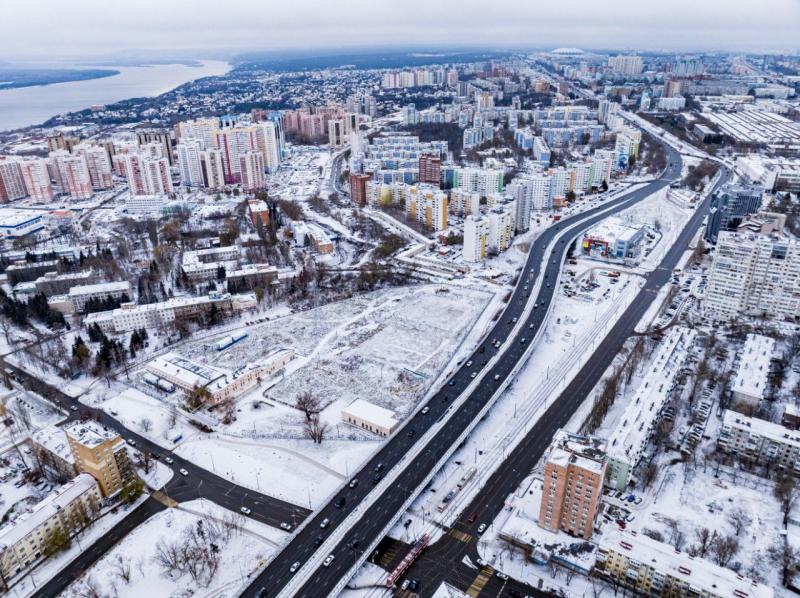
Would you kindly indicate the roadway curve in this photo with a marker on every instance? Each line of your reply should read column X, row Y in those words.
column 367, row 529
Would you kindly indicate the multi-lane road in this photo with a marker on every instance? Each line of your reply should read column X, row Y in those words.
column 484, row 371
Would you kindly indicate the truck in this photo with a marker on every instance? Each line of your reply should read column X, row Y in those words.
column 226, row 342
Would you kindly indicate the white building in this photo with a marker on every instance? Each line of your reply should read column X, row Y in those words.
column 752, row 375
column 625, row 65
column 464, row 203
column 80, row 295
column 476, row 238
column 479, row 180
column 189, row 165
column 760, row 441
column 370, row 417
column 251, row 170
column 15, row 224
column 754, row 275
column 627, row 441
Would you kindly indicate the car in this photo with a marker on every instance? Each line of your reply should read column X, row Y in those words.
column 285, row 526
column 405, row 584
column 425, row 410
column 472, row 517
column 473, row 374
column 379, row 467
column 469, row 364
column 318, row 541
column 451, row 383
column 169, row 460
column 377, row 478
column 514, row 320
column 501, row 575
column 530, row 327
column 522, row 341
column 497, row 377
column 245, row 510
column 262, row 593
column 328, row 560
column 324, row 523
column 183, row 472
column 131, row 441
column 295, row 566
column 481, row 528
column 73, row 408
column 484, row 362
column 483, row 349
column 353, row 483
column 414, row 585
column 340, row 502
column 412, row 433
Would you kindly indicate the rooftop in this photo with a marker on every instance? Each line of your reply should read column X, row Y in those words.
column 753, row 371
column 89, row 433
column 762, row 428
column 371, row 413
column 54, row 440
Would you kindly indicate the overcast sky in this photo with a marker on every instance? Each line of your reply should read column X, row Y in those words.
column 50, row 28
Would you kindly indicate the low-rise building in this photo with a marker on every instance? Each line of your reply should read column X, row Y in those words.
column 69, row 508
column 219, row 384
column 53, row 451
column 627, row 441
column 652, row 568
column 370, row 417
column 752, row 374
column 760, row 442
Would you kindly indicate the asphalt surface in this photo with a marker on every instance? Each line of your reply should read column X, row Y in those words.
column 348, row 552
column 442, row 561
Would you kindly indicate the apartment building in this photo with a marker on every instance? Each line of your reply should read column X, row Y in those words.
column 464, row 203
column 752, row 374
column 652, row 568
column 358, row 188
column 479, row 180
column 476, row 238
column 70, row 508
column 755, row 275
column 628, row 440
column 427, row 205
column 53, row 451
column 12, row 185
column 36, row 177
column 80, row 295
column 760, row 442
column 574, row 470
column 101, row 453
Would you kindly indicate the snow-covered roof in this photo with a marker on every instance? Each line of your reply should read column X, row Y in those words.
column 90, row 433
column 700, row 573
column 60, row 498
column 55, row 441
column 188, row 374
column 761, row 428
column 751, row 376
column 633, row 430
column 612, row 230
column 102, row 287
column 370, row 412
column 586, row 452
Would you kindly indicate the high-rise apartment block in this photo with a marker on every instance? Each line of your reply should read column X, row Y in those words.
column 573, row 483
column 358, row 188
column 251, row 170
column 476, row 238
column 626, row 65
column 37, row 179
column 12, row 185
column 755, row 275
column 430, row 169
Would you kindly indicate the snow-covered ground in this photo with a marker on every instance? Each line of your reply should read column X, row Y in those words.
column 241, row 554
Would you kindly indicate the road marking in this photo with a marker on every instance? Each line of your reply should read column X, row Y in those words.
column 164, row 499
column 483, row 577
column 460, row 536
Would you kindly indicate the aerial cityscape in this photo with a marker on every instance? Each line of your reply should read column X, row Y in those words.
column 426, row 299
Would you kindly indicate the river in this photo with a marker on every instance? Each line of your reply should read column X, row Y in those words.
column 26, row 106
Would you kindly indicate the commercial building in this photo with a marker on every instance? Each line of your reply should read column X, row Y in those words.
column 203, row 265
column 612, row 239
column 102, row 454
column 755, row 275
column 752, row 374
column 80, row 295
column 370, row 417
column 219, row 384
column 627, row 441
column 760, row 442
column 15, row 224
column 729, row 207
column 574, row 470
column 53, row 283
column 69, row 508
column 653, row 568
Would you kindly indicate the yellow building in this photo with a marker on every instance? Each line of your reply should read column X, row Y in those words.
column 101, row 453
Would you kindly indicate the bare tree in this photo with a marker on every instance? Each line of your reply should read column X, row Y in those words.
column 789, row 558
column 786, row 492
column 308, row 404
column 121, row 567
column 724, row 548
column 315, row 429
column 89, row 588
column 146, row 424
column 739, row 519
column 704, row 539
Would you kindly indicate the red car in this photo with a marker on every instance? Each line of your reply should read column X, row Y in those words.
column 472, row 517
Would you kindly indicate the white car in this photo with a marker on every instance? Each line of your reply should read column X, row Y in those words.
column 168, row 460
column 425, row 410
column 286, row 526
column 131, row 441
column 481, row 528
column 295, row 566
column 245, row 510
column 501, row 575
column 328, row 560
column 182, row 471
column 324, row 523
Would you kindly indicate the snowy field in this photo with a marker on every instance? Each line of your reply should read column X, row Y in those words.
column 133, row 568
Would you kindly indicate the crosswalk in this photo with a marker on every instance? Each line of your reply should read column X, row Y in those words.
column 483, row 577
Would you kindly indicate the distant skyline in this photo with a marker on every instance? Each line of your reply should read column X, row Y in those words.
column 65, row 29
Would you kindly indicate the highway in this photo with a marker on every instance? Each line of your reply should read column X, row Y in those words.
column 443, row 559
column 541, row 267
